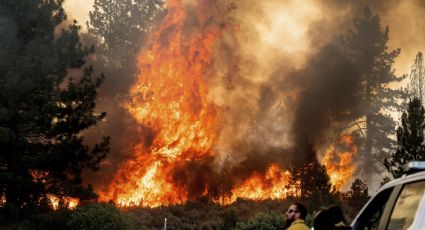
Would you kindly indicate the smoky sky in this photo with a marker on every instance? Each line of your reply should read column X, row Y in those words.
column 274, row 88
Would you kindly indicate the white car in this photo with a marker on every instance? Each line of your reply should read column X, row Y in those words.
column 399, row 204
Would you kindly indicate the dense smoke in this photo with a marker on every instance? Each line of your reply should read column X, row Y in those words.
column 282, row 92
column 279, row 79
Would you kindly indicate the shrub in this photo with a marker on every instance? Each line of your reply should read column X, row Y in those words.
column 99, row 216
column 263, row 221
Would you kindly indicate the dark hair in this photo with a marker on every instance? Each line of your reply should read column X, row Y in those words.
column 322, row 221
column 336, row 214
column 328, row 218
column 302, row 209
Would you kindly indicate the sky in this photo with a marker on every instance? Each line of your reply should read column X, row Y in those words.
column 79, row 9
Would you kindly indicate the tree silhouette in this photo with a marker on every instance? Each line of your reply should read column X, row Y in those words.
column 410, row 140
column 312, row 183
column 367, row 47
column 43, row 111
column 121, row 26
column 417, row 81
column 355, row 198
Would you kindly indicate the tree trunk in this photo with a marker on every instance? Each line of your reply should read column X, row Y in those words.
column 368, row 158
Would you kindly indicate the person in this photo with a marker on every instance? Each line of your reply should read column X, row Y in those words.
column 295, row 217
column 330, row 218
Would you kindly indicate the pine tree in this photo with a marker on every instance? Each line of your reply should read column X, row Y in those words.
column 367, row 47
column 121, row 26
column 42, row 111
column 355, row 198
column 417, row 78
column 410, row 140
column 314, row 183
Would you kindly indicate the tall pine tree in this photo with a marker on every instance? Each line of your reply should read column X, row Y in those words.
column 410, row 140
column 355, row 198
column 121, row 26
column 417, row 78
column 366, row 45
column 42, row 111
column 312, row 183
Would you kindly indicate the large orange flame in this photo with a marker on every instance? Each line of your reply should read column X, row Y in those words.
column 170, row 99
column 339, row 165
column 274, row 184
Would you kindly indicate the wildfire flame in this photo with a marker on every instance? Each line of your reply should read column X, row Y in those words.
column 170, row 98
column 68, row 202
column 55, row 201
column 274, row 184
column 339, row 165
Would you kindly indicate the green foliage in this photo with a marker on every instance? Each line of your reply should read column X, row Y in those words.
column 263, row 221
column 98, row 216
column 206, row 215
column 366, row 45
column 41, row 221
column 309, row 219
column 229, row 220
column 50, row 220
column 410, row 139
column 42, row 110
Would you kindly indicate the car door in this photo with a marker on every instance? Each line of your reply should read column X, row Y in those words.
column 372, row 215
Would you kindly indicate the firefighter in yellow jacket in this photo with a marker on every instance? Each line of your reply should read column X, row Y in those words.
column 295, row 217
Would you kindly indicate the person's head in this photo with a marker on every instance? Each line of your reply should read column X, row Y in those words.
column 336, row 214
column 296, row 211
column 323, row 221
column 329, row 218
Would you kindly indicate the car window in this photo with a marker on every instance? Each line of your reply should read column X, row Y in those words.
column 406, row 205
column 370, row 217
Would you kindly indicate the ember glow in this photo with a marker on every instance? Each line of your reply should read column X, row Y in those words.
column 2, row 200
column 339, row 164
column 55, row 200
column 68, row 202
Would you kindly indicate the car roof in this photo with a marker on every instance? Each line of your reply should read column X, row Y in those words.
column 404, row 179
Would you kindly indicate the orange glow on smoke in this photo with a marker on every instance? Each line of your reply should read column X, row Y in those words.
column 339, row 165
column 170, row 98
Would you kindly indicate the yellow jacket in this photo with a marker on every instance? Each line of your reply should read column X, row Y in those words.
column 298, row 225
